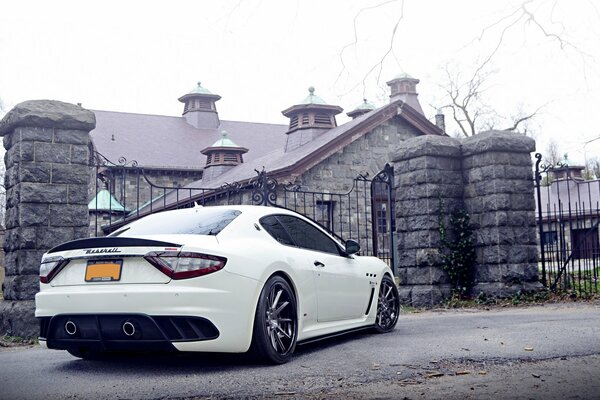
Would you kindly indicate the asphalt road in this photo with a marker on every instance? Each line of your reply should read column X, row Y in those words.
column 535, row 352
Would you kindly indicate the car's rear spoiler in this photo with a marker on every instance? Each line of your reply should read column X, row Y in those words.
column 110, row 242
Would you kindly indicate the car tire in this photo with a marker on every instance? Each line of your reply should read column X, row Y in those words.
column 388, row 305
column 275, row 322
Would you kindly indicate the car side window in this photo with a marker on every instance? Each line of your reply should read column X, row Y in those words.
column 275, row 229
column 308, row 236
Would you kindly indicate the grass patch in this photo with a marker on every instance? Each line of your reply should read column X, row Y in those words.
column 15, row 341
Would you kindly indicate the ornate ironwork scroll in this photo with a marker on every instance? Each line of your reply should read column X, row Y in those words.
column 264, row 189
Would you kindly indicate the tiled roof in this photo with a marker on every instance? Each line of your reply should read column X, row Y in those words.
column 162, row 142
column 282, row 164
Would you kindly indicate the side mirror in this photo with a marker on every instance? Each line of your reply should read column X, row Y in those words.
column 352, row 247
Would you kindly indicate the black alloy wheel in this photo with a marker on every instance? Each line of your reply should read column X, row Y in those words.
column 388, row 306
column 275, row 322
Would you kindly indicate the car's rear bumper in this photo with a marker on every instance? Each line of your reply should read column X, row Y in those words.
column 115, row 332
column 179, row 315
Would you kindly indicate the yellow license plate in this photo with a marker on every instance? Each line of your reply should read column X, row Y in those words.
column 103, row 270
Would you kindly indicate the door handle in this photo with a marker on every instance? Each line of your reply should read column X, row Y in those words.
column 319, row 264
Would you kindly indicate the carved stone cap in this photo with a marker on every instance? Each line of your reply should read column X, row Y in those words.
column 48, row 114
column 428, row 145
column 500, row 141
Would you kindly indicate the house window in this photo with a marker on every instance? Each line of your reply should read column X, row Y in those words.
column 382, row 218
column 549, row 238
column 324, row 214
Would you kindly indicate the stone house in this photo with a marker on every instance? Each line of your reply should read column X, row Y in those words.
column 198, row 150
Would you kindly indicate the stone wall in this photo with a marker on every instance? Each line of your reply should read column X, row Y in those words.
column 490, row 176
column 47, row 180
column 1, row 260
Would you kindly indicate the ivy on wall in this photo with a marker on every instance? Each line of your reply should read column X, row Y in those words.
column 457, row 250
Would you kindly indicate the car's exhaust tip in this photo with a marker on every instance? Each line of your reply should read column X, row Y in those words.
column 70, row 328
column 128, row 328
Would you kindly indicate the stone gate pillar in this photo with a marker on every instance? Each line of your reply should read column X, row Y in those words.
column 499, row 187
column 47, row 178
column 428, row 175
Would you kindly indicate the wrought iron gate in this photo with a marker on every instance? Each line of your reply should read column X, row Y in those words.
column 568, row 215
column 125, row 192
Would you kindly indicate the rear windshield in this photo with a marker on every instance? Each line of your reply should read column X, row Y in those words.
column 204, row 221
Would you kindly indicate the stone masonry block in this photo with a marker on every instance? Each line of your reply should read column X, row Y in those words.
column 80, row 154
column 11, row 217
column 418, row 276
column 43, row 193
column 17, row 319
column 34, row 134
column 24, row 262
column 78, row 194
column 70, row 173
column 496, row 202
column 68, row 215
column 71, row 136
column 431, row 162
column 518, row 173
column 483, row 173
column 53, row 152
column 19, row 238
column 21, row 287
column 406, row 257
column 426, row 295
column 33, row 214
column 489, row 272
column 34, row 172
column 522, row 202
column 50, row 237
column 11, row 177
column 418, row 222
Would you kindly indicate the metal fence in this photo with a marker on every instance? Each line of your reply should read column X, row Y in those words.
column 125, row 192
column 568, row 216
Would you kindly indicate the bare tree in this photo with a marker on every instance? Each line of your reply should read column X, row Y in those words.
column 592, row 169
column 552, row 155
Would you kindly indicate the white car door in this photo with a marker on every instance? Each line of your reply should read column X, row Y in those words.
column 343, row 288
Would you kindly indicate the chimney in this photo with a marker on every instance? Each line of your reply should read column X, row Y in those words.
column 440, row 120
column 404, row 87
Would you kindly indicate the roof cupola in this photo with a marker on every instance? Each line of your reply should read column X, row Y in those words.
column 361, row 109
column 404, row 87
column 309, row 119
column 199, row 108
column 223, row 155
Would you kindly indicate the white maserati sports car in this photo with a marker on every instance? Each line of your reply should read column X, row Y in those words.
column 211, row 279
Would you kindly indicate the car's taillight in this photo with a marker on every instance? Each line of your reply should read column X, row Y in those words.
column 185, row 265
column 50, row 267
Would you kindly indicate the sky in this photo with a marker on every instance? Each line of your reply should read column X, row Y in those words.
column 261, row 56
